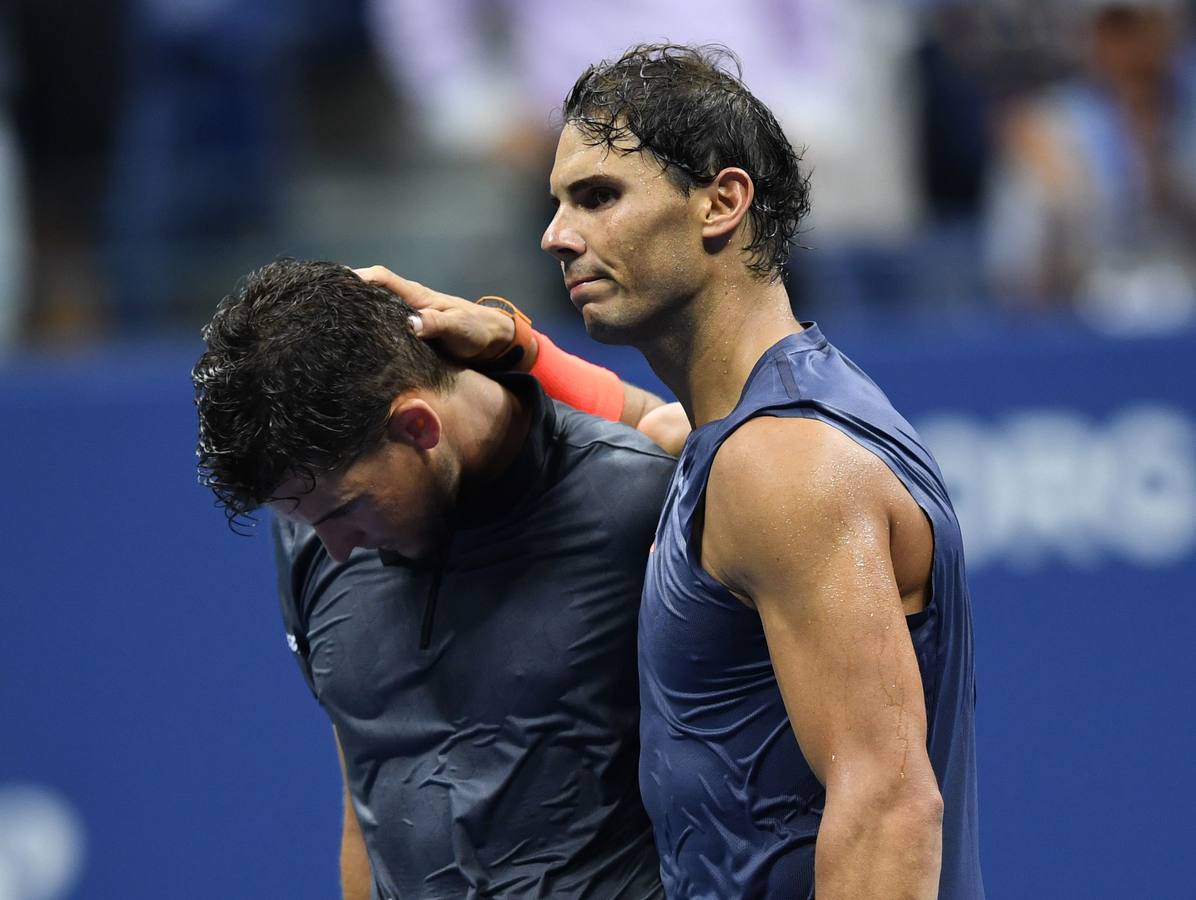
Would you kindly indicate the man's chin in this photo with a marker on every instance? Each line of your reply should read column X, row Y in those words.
column 601, row 329
column 409, row 555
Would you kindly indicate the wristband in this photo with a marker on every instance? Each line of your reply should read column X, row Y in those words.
column 576, row 382
column 517, row 356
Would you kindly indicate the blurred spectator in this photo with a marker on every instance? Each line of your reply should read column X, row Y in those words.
column 954, row 63
column 485, row 81
column 65, row 84
column 1086, row 202
column 201, row 151
column 1093, row 200
column 13, row 234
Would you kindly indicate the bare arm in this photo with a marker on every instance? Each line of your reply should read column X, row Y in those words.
column 667, row 425
column 473, row 334
column 356, row 879
column 798, row 524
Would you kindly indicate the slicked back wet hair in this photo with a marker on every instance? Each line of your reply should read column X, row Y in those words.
column 302, row 363
column 689, row 108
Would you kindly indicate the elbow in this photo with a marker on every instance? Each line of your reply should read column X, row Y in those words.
column 667, row 425
column 883, row 831
column 920, row 794
column 916, row 835
column 913, row 827
column 910, row 799
column 925, row 812
column 914, row 807
column 935, row 807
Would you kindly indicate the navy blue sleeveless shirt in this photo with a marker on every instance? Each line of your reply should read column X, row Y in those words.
column 734, row 806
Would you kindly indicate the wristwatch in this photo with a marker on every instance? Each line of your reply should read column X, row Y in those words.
column 519, row 354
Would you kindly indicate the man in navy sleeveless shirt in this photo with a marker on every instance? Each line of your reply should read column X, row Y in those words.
column 806, row 667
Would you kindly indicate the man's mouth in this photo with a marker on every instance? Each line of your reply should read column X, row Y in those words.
column 578, row 288
column 571, row 283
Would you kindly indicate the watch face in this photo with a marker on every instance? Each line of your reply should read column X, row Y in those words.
column 505, row 306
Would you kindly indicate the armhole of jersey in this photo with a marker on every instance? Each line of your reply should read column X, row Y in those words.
column 818, row 413
column 296, row 633
column 931, row 611
column 296, row 637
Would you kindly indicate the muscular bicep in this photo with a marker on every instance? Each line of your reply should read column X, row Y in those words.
column 797, row 523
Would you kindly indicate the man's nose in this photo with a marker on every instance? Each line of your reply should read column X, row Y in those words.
column 561, row 239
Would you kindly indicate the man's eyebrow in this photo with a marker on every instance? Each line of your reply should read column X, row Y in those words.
column 581, row 184
column 339, row 511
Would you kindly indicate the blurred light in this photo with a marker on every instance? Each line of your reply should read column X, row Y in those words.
column 42, row 844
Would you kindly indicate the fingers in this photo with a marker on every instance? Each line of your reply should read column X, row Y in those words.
column 382, row 276
column 428, row 324
column 463, row 330
column 412, row 292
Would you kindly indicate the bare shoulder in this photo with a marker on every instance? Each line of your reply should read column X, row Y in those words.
column 784, row 488
column 770, row 458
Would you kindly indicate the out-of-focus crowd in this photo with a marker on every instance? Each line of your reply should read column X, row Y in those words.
column 1034, row 156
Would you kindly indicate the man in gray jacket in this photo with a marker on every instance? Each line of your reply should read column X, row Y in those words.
column 460, row 560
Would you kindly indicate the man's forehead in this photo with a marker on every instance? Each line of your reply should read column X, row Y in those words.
column 578, row 156
column 288, row 506
column 301, row 499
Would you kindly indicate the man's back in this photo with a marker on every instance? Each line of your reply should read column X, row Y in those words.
column 487, row 702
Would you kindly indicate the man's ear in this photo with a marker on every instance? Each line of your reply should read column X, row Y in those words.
column 728, row 199
column 414, row 423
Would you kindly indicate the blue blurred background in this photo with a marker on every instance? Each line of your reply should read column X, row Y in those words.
column 1004, row 235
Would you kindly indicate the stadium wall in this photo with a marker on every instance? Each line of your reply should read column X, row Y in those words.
column 158, row 740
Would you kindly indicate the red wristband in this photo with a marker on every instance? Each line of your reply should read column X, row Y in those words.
column 581, row 384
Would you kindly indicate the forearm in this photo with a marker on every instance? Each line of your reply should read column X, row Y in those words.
column 356, row 880
column 598, row 391
column 637, row 403
column 355, row 865
column 492, row 334
column 890, row 849
column 576, row 382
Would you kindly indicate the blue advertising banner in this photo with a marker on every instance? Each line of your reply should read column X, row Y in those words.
column 1072, row 465
column 159, row 741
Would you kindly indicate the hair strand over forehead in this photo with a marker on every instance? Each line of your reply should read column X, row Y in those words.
column 302, row 363
column 684, row 106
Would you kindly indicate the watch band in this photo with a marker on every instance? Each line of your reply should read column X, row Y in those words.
column 517, row 355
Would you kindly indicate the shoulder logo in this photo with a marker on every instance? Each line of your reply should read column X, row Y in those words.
column 292, row 642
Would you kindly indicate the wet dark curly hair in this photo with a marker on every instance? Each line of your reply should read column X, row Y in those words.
column 302, row 363
column 684, row 106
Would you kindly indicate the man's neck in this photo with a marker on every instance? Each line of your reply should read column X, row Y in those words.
column 490, row 425
column 705, row 357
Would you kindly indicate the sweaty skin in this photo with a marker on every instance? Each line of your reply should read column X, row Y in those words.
column 356, row 880
column 797, row 489
column 472, row 334
column 800, row 522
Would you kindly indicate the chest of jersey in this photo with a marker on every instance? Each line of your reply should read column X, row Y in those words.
column 514, row 625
